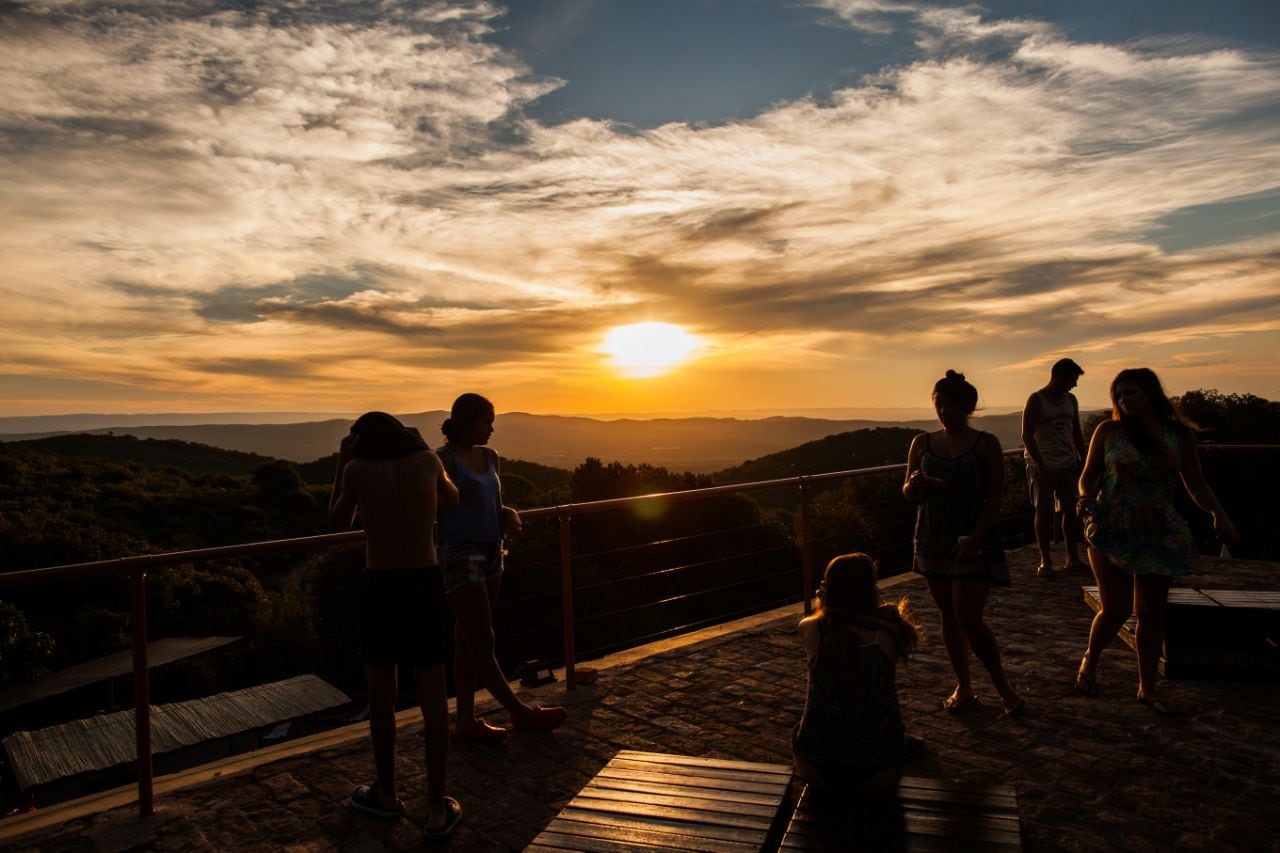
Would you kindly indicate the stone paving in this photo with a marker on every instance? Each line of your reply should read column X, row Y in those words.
column 1091, row 774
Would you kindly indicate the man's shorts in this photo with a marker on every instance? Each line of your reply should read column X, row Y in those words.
column 1044, row 486
column 470, row 562
column 404, row 617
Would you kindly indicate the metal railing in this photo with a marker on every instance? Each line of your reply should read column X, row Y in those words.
column 136, row 567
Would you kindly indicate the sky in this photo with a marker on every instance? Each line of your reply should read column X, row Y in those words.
column 314, row 206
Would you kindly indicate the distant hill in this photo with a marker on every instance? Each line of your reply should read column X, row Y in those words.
column 33, row 425
column 864, row 448
column 701, row 445
column 154, row 453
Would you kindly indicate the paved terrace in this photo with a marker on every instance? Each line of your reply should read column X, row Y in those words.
column 1091, row 774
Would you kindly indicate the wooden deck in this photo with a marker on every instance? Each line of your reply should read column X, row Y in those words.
column 648, row 801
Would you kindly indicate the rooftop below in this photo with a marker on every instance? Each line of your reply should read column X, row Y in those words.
column 1090, row 773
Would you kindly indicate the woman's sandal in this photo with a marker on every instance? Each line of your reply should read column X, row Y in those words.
column 479, row 731
column 538, row 719
column 956, row 704
column 1086, row 684
column 1016, row 711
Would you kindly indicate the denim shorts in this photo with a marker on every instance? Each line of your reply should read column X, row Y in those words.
column 470, row 562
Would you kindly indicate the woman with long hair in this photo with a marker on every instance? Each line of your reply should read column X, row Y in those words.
column 471, row 538
column 956, row 475
column 851, row 736
column 1127, row 488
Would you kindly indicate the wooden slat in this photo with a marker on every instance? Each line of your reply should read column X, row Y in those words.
column 723, row 774
column 1246, row 598
column 919, row 789
column 658, row 824
column 574, row 835
column 562, row 840
column 695, row 761
column 700, row 790
column 712, row 816
column 732, row 779
column 1181, row 595
column 645, row 800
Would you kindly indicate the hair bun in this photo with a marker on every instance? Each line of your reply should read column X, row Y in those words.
column 951, row 374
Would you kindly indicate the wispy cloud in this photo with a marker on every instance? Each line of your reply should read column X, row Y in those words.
column 197, row 190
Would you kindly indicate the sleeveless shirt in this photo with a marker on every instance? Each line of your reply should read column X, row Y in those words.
column 1055, row 433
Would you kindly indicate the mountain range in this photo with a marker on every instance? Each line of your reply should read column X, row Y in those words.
column 698, row 444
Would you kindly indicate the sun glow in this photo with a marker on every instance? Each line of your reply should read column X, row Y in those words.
column 649, row 349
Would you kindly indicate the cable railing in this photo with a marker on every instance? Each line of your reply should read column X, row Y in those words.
column 137, row 567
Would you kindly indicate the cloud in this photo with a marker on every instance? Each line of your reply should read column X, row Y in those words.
column 222, row 186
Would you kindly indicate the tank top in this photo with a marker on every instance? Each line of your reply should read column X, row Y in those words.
column 478, row 515
column 1055, row 433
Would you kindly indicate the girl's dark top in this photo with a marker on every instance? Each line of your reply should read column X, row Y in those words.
column 858, row 727
column 944, row 516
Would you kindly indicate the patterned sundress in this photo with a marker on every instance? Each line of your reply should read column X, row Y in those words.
column 1135, row 525
column 943, row 517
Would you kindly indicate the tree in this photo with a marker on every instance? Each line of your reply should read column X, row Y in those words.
column 23, row 650
column 1231, row 418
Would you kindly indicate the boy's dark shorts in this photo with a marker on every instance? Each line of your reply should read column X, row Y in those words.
column 404, row 617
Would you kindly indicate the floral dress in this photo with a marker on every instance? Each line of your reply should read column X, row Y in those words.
column 1135, row 525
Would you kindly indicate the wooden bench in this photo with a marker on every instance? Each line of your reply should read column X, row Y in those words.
column 648, row 801
column 1214, row 633
column 922, row 814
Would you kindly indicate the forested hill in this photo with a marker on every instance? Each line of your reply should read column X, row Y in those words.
column 863, row 448
column 151, row 452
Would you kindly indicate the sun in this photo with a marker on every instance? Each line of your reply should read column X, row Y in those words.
column 649, row 349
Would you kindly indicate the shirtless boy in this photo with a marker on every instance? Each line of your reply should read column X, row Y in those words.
column 387, row 473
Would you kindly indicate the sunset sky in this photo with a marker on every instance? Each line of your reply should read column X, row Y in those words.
column 309, row 206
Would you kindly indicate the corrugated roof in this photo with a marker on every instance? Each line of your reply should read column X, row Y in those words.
column 97, row 743
column 159, row 653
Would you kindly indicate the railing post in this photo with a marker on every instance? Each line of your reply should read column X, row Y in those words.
column 806, row 549
column 566, row 594
column 142, row 692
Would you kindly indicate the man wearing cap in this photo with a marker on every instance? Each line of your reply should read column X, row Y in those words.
column 1054, row 449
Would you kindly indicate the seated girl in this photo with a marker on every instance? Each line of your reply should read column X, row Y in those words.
column 851, row 736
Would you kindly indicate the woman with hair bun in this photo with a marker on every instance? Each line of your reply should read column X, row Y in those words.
column 956, row 475
column 1126, row 497
column 471, row 537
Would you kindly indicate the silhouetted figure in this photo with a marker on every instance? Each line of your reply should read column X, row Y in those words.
column 471, row 538
column 851, row 736
column 387, row 473
column 1054, row 450
column 1126, row 499
column 956, row 474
